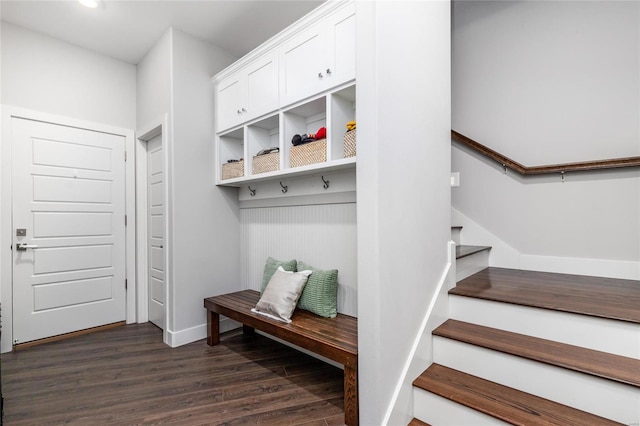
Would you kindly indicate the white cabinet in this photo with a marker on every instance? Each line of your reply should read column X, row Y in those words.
column 299, row 81
column 321, row 57
column 248, row 93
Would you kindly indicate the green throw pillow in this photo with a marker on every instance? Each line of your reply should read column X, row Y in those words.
column 320, row 295
column 270, row 267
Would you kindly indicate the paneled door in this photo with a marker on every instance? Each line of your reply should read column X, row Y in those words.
column 68, row 216
column 155, row 223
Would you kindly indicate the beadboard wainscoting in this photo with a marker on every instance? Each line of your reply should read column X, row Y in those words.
column 323, row 236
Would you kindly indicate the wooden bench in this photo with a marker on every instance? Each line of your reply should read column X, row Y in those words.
column 333, row 338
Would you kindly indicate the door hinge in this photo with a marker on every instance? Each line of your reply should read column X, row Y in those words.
column 125, row 220
column 125, row 284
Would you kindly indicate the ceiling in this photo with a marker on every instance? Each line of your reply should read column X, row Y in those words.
column 127, row 29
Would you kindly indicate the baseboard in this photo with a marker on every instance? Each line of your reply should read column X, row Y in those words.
column 199, row 332
column 595, row 267
column 504, row 256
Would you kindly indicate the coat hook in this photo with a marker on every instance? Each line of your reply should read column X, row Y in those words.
column 326, row 183
column 284, row 188
column 252, row 191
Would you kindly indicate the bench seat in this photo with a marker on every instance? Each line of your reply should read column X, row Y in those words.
column 333, row 338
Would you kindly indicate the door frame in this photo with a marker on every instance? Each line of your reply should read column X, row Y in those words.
column 7, row 113
column 158, row 126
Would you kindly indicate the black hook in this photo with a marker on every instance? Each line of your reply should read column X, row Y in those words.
column 284, row 188
column 326, row 183
column 252, row 191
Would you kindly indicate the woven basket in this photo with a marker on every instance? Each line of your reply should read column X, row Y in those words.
column 233, row 170
column 265, row 163
column 309, row 153
column 350, row 143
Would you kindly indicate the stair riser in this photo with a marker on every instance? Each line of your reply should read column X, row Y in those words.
column 471, row 264
column 436, row 410
column 602, row 397
column 616, row 337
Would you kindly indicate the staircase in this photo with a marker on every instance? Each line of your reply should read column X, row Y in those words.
column 534, row 348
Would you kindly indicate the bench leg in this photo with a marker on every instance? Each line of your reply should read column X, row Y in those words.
column 248, row 330
column 351, row 395
column 213, row 328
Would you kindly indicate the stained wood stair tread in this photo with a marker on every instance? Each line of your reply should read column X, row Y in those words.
column 596, row 296
column 601, row 364
column 416, row 422
column 504, row 403
column 464, row 251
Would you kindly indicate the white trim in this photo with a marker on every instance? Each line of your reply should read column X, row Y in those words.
column 7, row 112
column 444, row 279
column 199, row 332
column 159, row 126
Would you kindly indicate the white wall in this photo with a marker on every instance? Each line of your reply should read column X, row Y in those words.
column 203, row 254
column 323, row 236
column 403, row 210
column 206, row 224
column 47, row 75
column 153, row 82
column 546, row 83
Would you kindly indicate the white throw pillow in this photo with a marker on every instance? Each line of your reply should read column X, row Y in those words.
column 279, row 299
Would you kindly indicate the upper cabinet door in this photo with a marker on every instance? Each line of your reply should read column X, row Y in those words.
column 341, row 46
column 229, row 102
column 249, row 93
column 261, row 86
column 321, row 57
column 302, row 62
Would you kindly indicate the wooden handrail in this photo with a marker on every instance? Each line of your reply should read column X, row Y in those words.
column 614, row 163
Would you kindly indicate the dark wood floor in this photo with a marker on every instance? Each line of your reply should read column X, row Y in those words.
column 128, row 376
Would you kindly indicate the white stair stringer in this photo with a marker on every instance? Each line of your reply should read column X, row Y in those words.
column 440, row 411
column 605, row 398
column 601, row 334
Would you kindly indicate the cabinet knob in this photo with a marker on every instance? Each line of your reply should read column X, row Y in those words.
column 328, row 71
column 244, row 110
column 320, row 75
column 238, row 112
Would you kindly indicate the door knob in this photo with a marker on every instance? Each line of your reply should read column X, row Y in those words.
column 25, row 246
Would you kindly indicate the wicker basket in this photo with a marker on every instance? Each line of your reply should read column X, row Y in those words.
column 265, row 163
column 309, row 153
column 233, row 170
column 350, row 143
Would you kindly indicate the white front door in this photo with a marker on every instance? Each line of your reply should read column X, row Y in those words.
column 155, row 221
column 68, row 216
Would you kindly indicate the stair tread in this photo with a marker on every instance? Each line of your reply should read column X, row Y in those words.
column 464, row 250
column 601, row 364
column 596, row 296
column 416, row 422
column 504, row 403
